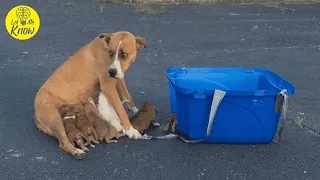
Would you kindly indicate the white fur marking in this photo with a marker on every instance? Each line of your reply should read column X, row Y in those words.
column 92, row 102
column 107, row 112
column 133, row 133
column 79, row 151
column 116, row 64
column 68, row 117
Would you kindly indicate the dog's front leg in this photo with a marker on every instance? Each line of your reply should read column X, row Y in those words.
column 123, row 90
column 108, row 87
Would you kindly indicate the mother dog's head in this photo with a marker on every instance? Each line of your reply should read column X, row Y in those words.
column 123, row 47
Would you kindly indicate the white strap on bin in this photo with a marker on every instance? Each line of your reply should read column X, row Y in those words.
column 216, row 100
column 283, row 111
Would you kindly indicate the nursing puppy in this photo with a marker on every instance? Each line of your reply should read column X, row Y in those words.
column 105, row 131
column 144, row 117
column 98, row 66
column 74, row 135
column 84, row 124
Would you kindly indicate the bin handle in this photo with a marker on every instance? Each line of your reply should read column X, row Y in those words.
column 284, row 109
column 216, row 100
column 170, row 75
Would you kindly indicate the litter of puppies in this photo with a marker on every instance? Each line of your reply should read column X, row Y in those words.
column 84, row 125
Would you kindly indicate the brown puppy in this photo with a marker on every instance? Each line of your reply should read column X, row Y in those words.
column 86, row 74
column 144, row 117
column 73, row 133
column 171, row 124
column 104, row 129
column 84, row 124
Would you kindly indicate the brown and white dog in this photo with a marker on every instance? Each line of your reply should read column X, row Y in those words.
column 98, row 66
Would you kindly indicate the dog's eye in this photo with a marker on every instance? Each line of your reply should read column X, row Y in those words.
column 110, row 53
column 124, row 55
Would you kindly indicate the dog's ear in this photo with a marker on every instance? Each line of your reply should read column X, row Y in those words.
column 106, row 37
column 140, row 42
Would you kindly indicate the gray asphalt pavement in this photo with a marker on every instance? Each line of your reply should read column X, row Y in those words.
column 284, row 40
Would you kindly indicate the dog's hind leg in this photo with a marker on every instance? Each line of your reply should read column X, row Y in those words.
column 50, row 122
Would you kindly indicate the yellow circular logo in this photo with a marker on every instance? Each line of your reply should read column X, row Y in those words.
column 22, row 22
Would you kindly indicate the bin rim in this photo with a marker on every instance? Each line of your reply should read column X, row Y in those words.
column 171, row 72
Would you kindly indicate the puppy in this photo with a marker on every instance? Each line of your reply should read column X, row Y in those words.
column 144, row 117
column 84, row 124
column 72, row 132
column 103, row 128
column 171, row 124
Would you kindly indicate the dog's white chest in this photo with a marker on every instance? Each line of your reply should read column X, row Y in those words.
column 105, row 108
column 107, row 112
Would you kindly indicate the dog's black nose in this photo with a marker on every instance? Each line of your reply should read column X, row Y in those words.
column 113, row 72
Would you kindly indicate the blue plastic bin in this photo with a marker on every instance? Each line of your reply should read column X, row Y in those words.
column 246, row 114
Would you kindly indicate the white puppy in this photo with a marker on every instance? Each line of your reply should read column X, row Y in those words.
column 107, row 113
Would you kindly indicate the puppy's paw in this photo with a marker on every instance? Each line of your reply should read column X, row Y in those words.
column 133, row 133
column 79, row 154
column 85, row 149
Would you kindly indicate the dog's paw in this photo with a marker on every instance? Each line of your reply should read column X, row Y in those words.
column 79, row 154
column 133, row 133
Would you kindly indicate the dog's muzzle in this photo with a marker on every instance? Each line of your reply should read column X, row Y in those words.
column 112, row 72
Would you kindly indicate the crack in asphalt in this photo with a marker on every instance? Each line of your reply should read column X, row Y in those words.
column 309, row 129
